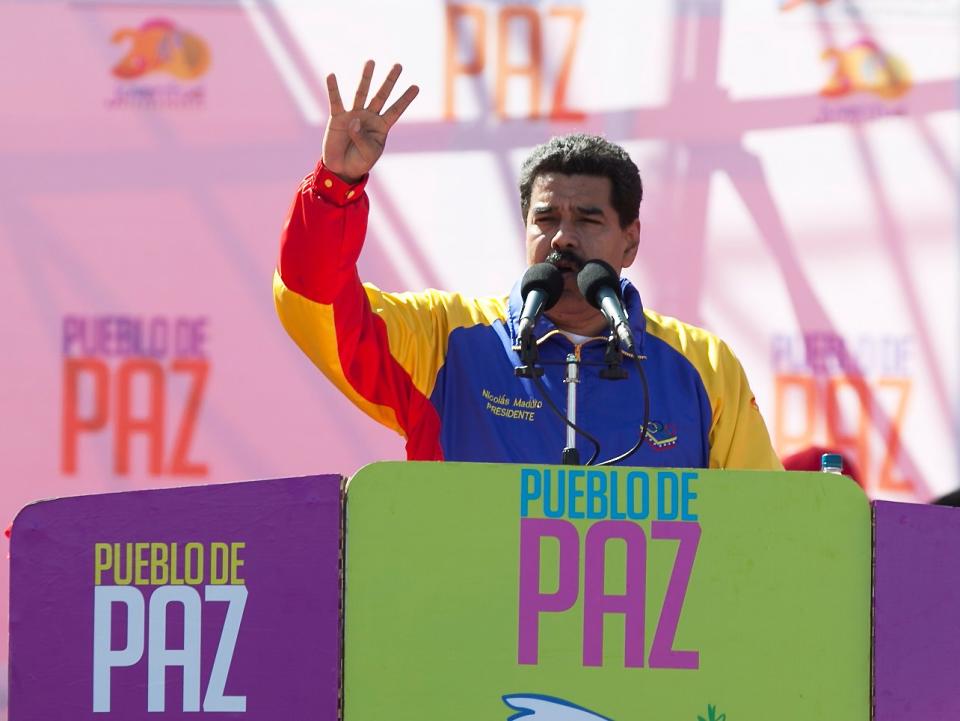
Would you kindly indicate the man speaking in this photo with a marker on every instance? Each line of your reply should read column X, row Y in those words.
column 442, row 369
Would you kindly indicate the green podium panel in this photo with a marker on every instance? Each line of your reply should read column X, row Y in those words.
column 480, row 591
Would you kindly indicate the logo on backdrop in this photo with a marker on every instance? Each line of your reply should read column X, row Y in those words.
column 864, row 67
column 133, row 388
column 852, row 394
column 156, row 49
column 858, row 71
column 529, row 73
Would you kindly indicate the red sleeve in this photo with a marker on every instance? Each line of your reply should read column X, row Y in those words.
column 326, row 310
column 323, row 235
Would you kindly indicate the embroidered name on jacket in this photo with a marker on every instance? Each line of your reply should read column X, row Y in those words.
column 505, row 406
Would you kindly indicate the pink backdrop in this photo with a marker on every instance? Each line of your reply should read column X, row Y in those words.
column 800, row 163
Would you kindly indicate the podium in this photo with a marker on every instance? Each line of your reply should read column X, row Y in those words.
column 605, row 593
column 484, row 591
column 218, row 601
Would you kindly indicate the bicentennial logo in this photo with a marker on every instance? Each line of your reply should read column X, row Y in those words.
column 161, row 46
column 160, row 68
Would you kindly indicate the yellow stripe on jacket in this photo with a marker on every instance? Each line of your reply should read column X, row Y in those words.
column 418, row 327
column 736, row 424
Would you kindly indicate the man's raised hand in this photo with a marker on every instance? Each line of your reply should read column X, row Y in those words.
column 355, row 138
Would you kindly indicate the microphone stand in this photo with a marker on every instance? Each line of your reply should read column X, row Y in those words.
column 528, row 358
column 528, row 369
column 571, row 456
column 613, row 358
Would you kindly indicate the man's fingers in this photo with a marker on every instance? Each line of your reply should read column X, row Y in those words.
column 380, row 99
column 396, row 110
column 333, row 92
column 360, row 99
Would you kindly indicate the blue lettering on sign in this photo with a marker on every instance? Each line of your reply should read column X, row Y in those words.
column 600, row 494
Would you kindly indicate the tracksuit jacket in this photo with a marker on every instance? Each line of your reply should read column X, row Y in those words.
column 438, row 367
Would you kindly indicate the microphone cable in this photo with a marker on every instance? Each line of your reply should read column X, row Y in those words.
column 646, row 418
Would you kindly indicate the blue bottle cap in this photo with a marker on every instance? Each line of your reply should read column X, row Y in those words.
column 831, row 462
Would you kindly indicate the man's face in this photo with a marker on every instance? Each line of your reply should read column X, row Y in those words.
column 571, row 221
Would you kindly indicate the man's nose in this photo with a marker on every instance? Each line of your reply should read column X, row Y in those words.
column 565, row 237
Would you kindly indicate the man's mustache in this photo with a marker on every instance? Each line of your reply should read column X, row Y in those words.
column 566, row 257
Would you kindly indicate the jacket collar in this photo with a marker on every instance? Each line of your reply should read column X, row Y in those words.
column 544, row 326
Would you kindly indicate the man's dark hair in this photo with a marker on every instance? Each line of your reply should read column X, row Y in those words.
column 582, row 154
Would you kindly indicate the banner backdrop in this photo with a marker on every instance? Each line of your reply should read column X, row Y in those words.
column 799, row 159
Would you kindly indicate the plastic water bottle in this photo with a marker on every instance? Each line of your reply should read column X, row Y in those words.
column 831, row 463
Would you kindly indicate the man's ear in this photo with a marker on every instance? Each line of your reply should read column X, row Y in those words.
column 631, row 242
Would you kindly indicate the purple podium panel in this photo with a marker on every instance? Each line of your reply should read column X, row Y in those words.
column 916, row 645
column 204, row 602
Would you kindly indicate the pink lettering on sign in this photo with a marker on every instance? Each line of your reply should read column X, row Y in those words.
column 532, row 601
column 662, row 653
column 597, row 602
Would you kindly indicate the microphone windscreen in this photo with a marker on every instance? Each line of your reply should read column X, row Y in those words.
column 596, row 275
column 545, row 277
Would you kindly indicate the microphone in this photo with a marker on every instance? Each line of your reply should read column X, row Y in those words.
column 540, row 288
column 599, row 284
